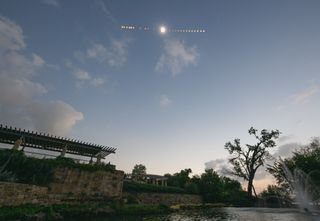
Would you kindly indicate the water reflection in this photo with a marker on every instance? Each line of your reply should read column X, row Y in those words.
column 219, row 214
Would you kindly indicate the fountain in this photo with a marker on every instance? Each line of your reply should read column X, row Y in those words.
column 306, row 193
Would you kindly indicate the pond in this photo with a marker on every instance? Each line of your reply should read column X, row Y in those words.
column 221, row 214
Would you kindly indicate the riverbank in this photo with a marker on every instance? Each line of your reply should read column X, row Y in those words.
column 63, row 211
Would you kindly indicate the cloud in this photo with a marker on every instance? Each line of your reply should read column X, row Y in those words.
column 106, row 11
column 83, row 77
column 303, row 96
column 285, row 138
column 11, row 37
column 37, row 60
column 19, row 92
column 81, row 74
column 221, row 166
column 165, row 101
column 115, row 54
column 62, row 116
column 98, row 81
column 54, row 3
column 176, row 56
column 286, row 150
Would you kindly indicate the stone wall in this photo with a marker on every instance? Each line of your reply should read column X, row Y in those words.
column 69, row 185
column 16, row 194
column 77, row 183
column 164, row 198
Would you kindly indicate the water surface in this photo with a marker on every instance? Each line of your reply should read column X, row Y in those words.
column 221, row 214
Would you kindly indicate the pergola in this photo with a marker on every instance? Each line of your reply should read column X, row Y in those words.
column 35, row 140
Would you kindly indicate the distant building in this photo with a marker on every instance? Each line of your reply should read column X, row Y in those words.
column 150, row 179
column 156, row 180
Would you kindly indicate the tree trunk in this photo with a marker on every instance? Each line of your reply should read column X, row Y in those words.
column 250, row 186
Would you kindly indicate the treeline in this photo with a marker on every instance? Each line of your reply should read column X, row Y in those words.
column 212, row 187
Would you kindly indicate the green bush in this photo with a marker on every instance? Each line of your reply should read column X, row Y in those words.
column 141, row 187
column 40, row 171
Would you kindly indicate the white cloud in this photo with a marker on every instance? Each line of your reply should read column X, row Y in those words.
column 37, row 60
column 19, row 92
column 105, row 10
column 165, row 101
column 11, row 37
column 81, row 74
column 54, row 3
column 115, row 54
column 304, row 95
column 83, row 77
column 177, row 56
column 62, row 116
column 98, row 81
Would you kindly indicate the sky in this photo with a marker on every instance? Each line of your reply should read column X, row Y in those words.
column 168, row 101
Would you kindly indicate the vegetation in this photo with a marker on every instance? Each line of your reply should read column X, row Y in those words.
column 15, row 166
column 247, row 160
column 179, row 179
column 139, row 172
column 58, row 212
column 212, row 187
column 142, row 187
column 275, row 196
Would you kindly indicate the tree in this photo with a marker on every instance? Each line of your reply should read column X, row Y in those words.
column 276, row 196
column 179, row 179
column 139, row 172
column 211, row 186
column 247, row 160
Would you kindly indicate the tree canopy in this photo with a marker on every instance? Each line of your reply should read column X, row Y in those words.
column 139, row 172
column 247, row 160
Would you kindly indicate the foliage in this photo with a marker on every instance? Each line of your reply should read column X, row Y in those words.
column 276, row 196
column 139, row 172
column 142, row 187
column 40, row 171
column 5, row 175
column 247, row 160
column 211, row 186
column 179, row 179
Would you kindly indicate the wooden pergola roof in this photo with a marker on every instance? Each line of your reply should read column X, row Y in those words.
column 9, row 135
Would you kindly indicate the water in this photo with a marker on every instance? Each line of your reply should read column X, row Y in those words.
column 306, row 192
column 220, row 214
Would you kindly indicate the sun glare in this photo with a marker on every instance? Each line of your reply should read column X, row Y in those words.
column 163, row 29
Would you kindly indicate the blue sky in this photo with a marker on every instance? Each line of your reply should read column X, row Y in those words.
column 167, row 101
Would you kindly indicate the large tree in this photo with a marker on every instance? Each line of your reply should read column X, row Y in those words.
column 247, row 160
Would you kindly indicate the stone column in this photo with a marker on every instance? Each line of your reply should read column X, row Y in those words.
column 17, row 144
column 63, row 153
column 99, row 157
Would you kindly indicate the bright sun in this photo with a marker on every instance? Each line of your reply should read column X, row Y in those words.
column 163, row 29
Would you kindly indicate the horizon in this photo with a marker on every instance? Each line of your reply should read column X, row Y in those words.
column 168, row 100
